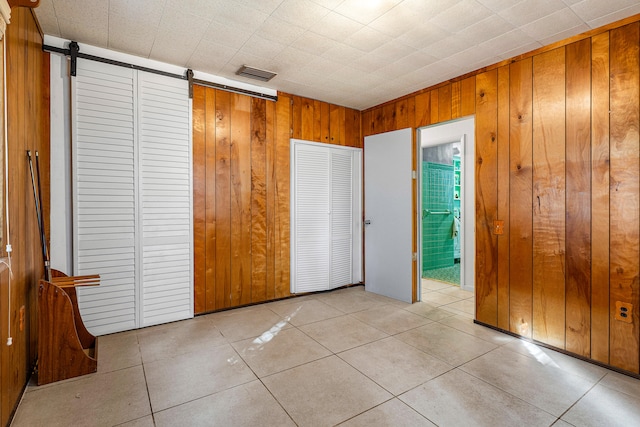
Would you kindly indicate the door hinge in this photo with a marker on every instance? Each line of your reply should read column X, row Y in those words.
column 414, row 175
column 414, row 256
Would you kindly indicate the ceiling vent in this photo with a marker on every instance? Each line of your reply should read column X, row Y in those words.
column 255, row 73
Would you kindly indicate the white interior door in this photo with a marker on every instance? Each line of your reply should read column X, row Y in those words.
column 388, row 214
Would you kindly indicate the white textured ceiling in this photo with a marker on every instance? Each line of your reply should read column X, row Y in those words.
column 357, row 53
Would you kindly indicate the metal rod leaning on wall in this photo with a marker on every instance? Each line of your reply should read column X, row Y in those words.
column 36, row 198
column 47, row 260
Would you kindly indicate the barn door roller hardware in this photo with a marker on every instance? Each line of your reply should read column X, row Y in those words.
column 74, row 53
column 74, row 49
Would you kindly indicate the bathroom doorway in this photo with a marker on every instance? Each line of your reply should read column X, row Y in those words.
column 441, row 233
column 446, row 211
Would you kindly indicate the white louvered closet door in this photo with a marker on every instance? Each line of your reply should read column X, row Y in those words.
column 341, row 175
column 104, row 194
column 132, row 196
column 165, row 198
column 311, row 219
column 323, row 216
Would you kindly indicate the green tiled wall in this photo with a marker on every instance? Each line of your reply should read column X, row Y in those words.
column 437, row 196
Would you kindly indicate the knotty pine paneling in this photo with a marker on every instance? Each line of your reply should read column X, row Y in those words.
column 208, row 198
column 565, row 181
column 282, row 259
column 549, row 197
column 199, row 200
column 241, row 189
column 600, row 198
column 486, row 168
column 520, row 197
column 28, row 129
column 624, row 217
column 259, row 200
column 221, row 134
column 578, row 198
column 503, row 196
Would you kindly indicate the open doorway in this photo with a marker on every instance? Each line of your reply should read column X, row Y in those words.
column 441, row 213
column 446, row 213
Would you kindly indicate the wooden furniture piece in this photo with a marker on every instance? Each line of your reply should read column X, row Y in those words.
column 66, row 349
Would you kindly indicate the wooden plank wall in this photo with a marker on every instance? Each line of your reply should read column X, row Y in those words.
column 558, row 160
column 28, row 128
column 241, row 189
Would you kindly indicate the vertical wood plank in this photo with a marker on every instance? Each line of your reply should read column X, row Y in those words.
column 258, row 201
column 282, row 176
column 317, row 121
column 210, row 201
column 223, row 199
column 240, row 199
column 335, row 127
column 549, row 197
column 296, row 114
column 520, row 197
column 199, row 193
column 325, row 118
column 307, row 119
column 600, row 197
column 456, row 101
column 389, row 117
column 270, row 159
column 378, row 122
column 435, row 115
column 486, row 196
column 578, row 196
column 467, row 96
column 503, row 194
column 352, row 128
column 405, row 113
column 342, row 119
column 625, row 185
column 444, row 103
column 423, row 109
column 365, row 123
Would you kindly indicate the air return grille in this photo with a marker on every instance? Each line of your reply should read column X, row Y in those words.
column 255, row 73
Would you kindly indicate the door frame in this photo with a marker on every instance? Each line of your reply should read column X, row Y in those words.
column 452, row 133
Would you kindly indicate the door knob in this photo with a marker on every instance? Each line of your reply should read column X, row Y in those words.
column 367, row 221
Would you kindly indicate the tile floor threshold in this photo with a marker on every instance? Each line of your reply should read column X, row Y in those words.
column 346, row 357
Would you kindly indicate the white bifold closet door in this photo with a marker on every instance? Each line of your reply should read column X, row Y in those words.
column 326, row 216
column 131, row 166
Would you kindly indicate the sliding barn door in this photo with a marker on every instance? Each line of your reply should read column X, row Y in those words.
column 164, row 129
column 105, row 200
column 132, row 196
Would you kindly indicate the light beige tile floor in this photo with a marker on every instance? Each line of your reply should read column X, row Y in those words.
column 344, row 357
